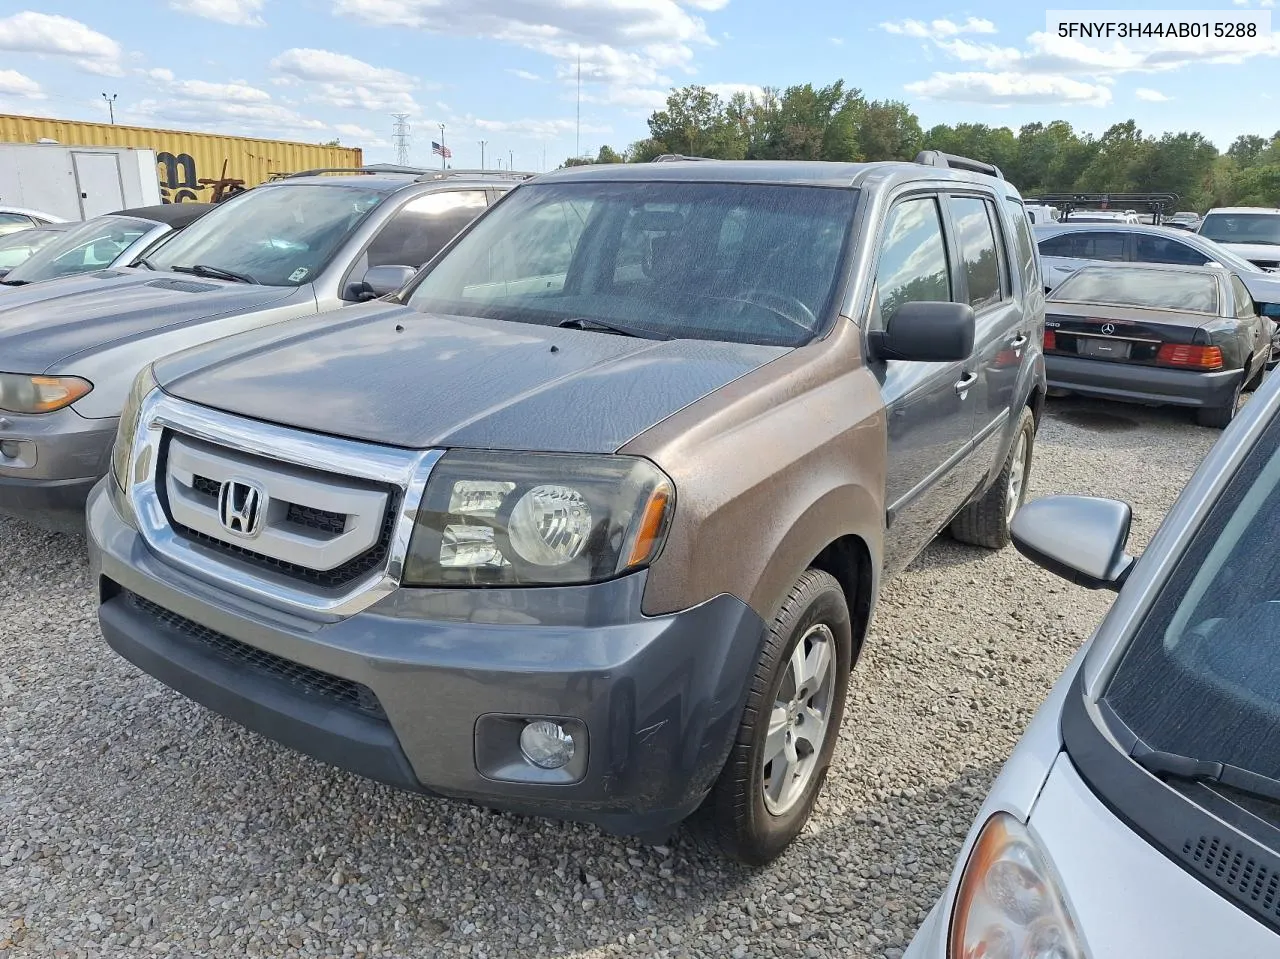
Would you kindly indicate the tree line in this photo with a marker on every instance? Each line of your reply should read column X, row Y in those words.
column 837, row 122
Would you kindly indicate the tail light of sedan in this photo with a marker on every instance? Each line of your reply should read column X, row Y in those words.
column 1188, row 357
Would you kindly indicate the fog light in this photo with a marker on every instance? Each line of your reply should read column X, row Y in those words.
column 9, row 449
column 546, row 744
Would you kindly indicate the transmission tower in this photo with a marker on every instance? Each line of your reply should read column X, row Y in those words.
column 400, row 136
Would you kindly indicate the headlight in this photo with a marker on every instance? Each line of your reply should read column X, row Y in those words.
column 20, row 393
column 1010, row 905
column 506, row 519
column 143, row 384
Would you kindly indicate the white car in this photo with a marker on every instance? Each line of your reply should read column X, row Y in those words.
column 1250, row 231
column 1139, row 816
column 15, row 218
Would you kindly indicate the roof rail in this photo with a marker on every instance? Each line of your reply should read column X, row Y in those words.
column 370, row 170
column 446, row 174
column 951, row 161
column 675, row 157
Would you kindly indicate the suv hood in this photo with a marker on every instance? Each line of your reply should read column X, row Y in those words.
column 50, row 321
column 391, row 375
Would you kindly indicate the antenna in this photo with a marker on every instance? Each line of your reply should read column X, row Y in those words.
column 400, row 136
column 577, row 136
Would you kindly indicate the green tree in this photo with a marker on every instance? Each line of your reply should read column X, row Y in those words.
column 1244, row 150
column 608, row 154
column 694, row 123
column 889, row 131
column 575, row 161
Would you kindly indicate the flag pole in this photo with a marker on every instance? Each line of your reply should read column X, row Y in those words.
column 443, row 150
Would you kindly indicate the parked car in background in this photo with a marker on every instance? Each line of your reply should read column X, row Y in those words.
column 1040, row 213
column 1140, row 813
column 1098, row 216
column 1251, row 232
column 1183, row 220
column 116, row 239
column 15, row 218
column 70, row 348
column 589, row 519
column 1144, row 333
column 17, row 247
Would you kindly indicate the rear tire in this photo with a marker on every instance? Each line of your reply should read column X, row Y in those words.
column 986, row 522
column 1256, row 380
column 775, row 769
column 1220, row 417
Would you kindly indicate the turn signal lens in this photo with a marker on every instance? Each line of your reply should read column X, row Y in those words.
column 40, row 394
column 1190, row 357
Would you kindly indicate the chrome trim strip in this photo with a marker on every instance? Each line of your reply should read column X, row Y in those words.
column 407, row 470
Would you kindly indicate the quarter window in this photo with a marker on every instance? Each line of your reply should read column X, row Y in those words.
column 913, row 263
column 1024, row 246
column 977, row 241
column 1245, row 308
column 421, row 228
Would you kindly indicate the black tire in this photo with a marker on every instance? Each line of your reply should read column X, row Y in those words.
column 745, row 829
column 986, row 522
column 1220, row 417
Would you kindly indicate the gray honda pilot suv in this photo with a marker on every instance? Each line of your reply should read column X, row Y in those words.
column 589, row 519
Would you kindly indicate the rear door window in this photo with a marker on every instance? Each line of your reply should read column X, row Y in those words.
column 1024, row 246
column 975, row 235
column 421, row 228
column 913, row 262
column 1163, row 249
column 1245, row 308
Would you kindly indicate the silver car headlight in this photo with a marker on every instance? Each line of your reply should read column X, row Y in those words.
column 1010, row 904
column 509, row 519
column 22, row 393
column 122, row 453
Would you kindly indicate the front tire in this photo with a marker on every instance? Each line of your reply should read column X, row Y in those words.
column 790, row 725
column 986, row 522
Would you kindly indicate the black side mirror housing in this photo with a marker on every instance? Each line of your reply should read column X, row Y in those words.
column 382, row 280
column 1080, row 538
column 926, row 332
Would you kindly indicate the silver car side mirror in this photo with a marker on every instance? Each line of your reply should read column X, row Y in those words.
column 1080, row 538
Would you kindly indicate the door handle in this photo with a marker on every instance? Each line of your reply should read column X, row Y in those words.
column 963, row 384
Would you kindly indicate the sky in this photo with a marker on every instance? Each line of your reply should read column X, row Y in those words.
column 506, row 71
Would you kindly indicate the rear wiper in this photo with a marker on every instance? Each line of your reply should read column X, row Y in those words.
column 215, row 273
column 1199, row 770
column 599, row 326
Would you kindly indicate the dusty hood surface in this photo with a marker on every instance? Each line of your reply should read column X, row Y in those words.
column 45, row 323
column 390, row 375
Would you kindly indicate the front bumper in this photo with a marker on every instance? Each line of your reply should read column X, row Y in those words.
column 59, row 458
column 427, row 689
column 1140, row 384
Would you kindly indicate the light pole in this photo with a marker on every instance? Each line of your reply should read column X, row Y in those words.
column 111, row 106
column 511, row 159
column 443, row 150
column 482, row 146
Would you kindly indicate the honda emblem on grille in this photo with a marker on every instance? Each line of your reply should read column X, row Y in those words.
column 1108, row 328
column 241, row 507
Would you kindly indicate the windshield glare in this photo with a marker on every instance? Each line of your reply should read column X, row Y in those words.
column 93, row 245
column 16, row 247
column 1145, row 289
column 1202, row 676
column 1261, row 228
column 277, row 235
column 737, row 262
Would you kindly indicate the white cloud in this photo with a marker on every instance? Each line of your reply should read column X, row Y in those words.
column 837, row 41
column 50, row 35
column 238, row 13
column 261, row 119
column 531, row 129
column 1151, row 96
column 13, row 83
column 344, row 82
column 203, row 90
column 938, row 29
column 725, row 90
column 1010, row 88
column 525, row 75
column 643, row 100
column 354, row 130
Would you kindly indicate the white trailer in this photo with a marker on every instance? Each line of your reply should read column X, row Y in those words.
column 77, row 183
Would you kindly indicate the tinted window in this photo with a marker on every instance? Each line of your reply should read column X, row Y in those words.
column 978, row 255
column 1146, row 289
column 740, row 262
column 1024, row 247
column 1162, row 249
column 421, row 228
column 913, row 259
column 1245, row 308
column 88, row 246
column 1099, row 246
column 1060, row 245
column 12, row 222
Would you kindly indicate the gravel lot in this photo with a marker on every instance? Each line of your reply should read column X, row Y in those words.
column 137, row 823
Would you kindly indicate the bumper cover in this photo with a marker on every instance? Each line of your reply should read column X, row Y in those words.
column 660, row 698
column 59, row 458
column 1141, row 384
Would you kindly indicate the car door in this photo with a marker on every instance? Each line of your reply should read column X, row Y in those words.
column 1003, row 326
column 1148, row 248
column 1261, row 329
column 1064, row 253
column 929, row 410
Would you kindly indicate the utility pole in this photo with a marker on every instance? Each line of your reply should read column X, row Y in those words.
column 442, row 148
column 111, row 106
column 511, row 159
column 577, row 136
column 544, row 159
column 482, row 146
column 400, row 136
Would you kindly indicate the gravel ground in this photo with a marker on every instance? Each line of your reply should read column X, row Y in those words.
column 137, row 823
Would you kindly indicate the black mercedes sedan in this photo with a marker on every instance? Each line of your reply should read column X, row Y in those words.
column 1157, row 334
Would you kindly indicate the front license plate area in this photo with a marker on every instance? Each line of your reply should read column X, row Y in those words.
column 1103, row 349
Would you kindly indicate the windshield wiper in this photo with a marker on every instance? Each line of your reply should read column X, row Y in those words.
column 599, row 326
column 1206, row 771
column 15, row 282
column 215, row 273
column 143, row 261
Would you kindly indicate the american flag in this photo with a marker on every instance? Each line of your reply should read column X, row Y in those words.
column 439, row 149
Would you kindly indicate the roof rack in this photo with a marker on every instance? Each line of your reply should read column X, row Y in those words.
column 1156, row 203
column 675, row 157
column 950, row 160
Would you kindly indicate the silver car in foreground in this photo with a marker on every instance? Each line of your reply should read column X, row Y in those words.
column 1140, row 813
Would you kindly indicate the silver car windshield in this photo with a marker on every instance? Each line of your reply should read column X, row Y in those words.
column 1262, row 228
column 1202, row 675
column 93, row 245
column 748, row 263
column 274, row 235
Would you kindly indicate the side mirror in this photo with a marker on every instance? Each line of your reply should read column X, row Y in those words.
column 382, row 280
column 1214, row 265
column 1080, row 538
column 926, row 332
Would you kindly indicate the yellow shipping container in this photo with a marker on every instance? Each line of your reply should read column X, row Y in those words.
column 184, row 159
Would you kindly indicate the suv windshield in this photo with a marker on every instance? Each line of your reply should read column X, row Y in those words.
column 275, row 235
column 1145, row 289
column 1202, row 676
column 716, row 261
column 1261, row 228
column 93, row 245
